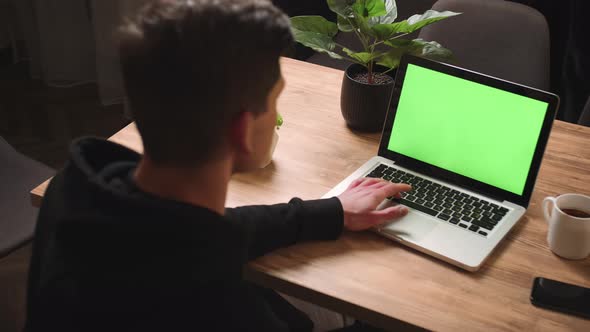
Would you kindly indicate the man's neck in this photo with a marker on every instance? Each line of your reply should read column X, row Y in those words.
column 204, row 186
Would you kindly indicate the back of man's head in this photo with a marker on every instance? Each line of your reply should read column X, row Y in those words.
column 190, row 66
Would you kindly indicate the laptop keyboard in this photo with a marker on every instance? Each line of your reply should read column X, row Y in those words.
column 447, row 204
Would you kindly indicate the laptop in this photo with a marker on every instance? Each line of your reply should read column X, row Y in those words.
column 471, row 146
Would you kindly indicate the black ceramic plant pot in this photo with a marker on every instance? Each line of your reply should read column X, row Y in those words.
column 364, row 105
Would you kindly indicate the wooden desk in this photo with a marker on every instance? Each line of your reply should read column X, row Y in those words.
column 380, row 281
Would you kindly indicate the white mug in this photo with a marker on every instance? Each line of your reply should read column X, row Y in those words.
column 568, row 236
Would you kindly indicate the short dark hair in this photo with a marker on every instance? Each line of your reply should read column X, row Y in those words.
column 190, row 66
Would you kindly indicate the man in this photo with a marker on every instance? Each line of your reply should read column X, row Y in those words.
column 144, row 243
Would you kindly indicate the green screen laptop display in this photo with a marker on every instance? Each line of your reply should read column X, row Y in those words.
column 468, row 128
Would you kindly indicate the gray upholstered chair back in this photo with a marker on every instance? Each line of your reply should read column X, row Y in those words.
column 585, row 116
column 495, row 37
column 18, row 175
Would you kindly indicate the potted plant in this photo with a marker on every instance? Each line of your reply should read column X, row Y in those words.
column 367, row 82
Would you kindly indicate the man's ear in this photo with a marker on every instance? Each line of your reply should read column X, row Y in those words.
column 241, row 132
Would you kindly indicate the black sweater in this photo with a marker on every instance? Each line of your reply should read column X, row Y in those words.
column 109, row 257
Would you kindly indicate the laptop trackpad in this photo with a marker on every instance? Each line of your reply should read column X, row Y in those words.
column 412, row 227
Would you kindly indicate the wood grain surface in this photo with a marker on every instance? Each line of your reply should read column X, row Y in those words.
column 380, row 281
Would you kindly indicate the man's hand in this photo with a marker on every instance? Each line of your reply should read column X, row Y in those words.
column 362, row 197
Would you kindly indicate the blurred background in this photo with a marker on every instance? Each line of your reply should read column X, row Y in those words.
column 59, row 75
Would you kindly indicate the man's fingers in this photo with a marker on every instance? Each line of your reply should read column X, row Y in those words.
column 381, row 189
column 356, row 183
column 378, row 183
column 394, row 189
column 364, row 182
column 394, row 212
column 371, row 182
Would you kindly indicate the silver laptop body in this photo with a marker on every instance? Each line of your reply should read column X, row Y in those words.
column 464, row 239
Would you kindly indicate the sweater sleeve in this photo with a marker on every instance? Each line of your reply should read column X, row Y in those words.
column 269, row 227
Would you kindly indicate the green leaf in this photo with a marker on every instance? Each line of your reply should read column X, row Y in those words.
column 369, row 8
column 360, row 15
column 358, row 8
column 430, row 16
column 341, row 7
column 344, row 24
column 362, row 24
column 419, row 47
column 416, row 22
column 384, row 31
column 375, row 8
column 402, row 43
column 434, row 50
column 391, row 59
column 315, row 24
column 315, row 32
column 362, row 57
column 318, row 42
column 389, row 16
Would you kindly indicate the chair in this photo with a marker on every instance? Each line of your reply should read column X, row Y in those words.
column 499, row 38
column 18, row 175
column 585, row 116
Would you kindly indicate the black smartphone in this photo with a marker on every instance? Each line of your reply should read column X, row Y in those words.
column 560, row 296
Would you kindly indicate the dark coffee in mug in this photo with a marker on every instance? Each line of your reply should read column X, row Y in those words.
column 576, row 213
